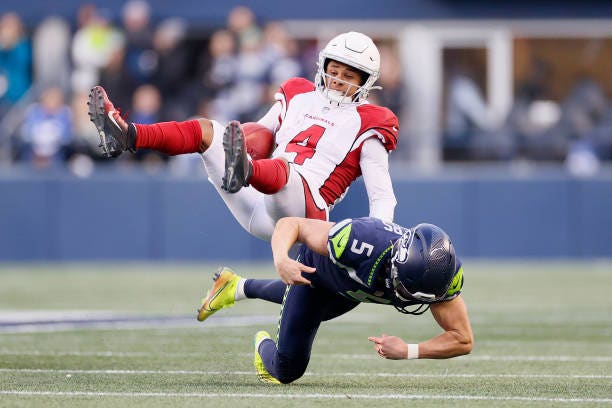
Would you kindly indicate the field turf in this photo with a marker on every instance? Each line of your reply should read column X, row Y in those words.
column 125, row 335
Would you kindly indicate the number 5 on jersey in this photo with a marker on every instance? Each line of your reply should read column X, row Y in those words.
column 364, row 246
column 305, row 143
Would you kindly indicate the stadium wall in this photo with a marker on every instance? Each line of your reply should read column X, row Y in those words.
column 137, row 217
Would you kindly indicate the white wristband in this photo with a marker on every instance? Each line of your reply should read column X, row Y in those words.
column 413, row 351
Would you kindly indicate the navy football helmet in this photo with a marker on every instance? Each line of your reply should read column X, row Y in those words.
column 423, row 264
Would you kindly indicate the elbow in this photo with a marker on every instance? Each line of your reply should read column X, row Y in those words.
column 466, row 347
column 284, row 221
column 464, row 343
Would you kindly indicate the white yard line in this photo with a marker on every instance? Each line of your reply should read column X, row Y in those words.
column 306, row 396
column 27, row 322
column 8, row 352
column 249, row 373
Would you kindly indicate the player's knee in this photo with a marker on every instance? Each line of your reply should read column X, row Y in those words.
column 290, row 375
column 290, row 370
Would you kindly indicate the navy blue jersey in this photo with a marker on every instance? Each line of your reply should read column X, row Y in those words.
column 357, row 264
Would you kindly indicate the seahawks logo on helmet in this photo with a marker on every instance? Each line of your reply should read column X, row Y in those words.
column 401, row 253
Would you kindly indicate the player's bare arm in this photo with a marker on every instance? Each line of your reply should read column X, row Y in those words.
column 287, row 232
column 456, row 340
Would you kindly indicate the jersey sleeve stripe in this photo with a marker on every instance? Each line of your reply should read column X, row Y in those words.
column 366, row 135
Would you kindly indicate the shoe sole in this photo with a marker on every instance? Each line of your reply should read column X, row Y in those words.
column 97, row 115
column 233, row 148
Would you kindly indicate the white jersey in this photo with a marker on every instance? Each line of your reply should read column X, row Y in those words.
column 323, row 141
column 327, row 147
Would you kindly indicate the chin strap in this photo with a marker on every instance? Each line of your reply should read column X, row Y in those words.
column 418, row 310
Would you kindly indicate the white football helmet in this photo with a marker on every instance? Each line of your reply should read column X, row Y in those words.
column 354, row 49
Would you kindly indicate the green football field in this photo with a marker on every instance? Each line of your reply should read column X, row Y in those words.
column 125, row 335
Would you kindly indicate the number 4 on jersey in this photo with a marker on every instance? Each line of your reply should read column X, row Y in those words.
column 305, row 143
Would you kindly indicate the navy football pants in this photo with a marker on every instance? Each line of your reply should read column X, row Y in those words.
column 303, row 309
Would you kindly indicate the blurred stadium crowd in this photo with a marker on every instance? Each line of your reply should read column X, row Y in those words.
column 163, row 71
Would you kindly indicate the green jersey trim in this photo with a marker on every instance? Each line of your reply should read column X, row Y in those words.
column 376, row 264
column 456, row 284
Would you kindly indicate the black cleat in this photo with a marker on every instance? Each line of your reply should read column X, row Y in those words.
column 116, row 135
column 237, row 165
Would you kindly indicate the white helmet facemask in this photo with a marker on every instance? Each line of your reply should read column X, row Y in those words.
column 356, row 50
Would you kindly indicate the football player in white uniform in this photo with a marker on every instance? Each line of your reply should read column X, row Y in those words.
column 326, row 132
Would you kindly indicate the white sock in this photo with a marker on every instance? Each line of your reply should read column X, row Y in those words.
column 240, row 290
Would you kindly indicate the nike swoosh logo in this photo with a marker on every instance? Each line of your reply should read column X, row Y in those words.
column 112, row 119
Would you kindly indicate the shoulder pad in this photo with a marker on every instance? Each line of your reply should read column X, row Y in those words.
column 295, row 86
column 382, row 120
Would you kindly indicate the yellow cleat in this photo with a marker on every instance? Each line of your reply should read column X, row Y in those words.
column 263, row 374
column 221, row 295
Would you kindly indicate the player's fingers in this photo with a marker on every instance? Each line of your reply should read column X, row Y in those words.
column 308, row 269
column 374, row 339
column 300, row 280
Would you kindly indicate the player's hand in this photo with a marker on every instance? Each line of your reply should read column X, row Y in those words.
column 290, row 271
column 390, row 347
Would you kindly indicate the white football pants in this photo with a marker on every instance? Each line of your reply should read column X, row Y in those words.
column 255, row 211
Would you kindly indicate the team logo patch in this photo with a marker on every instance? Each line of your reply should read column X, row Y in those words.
column 401, row 256
column 340, row 240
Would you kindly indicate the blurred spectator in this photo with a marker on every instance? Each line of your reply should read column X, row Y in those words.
column 93, row 45
column 86, row 139
column 246, row 94
column 584, row 113
column 146, row 109
column 220, row 74
column 85, row 14
column 602, row 135
column 466, row 112
column 392, row 93
column 237, row 81
column 242, row 23
column 47, row 130
column 146, row 105
column 279, row 55
column 51, row 43
column 585, row 108
column 534, row 121
column 116, row 78
column 15, row 61
column 140, row 58
column 172, row 67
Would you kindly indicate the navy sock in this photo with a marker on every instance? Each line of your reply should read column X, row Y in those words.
column 271, row 290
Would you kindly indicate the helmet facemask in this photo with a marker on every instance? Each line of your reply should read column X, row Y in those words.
column 323, row 80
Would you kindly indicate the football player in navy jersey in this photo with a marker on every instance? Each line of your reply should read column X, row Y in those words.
column 339, row 266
